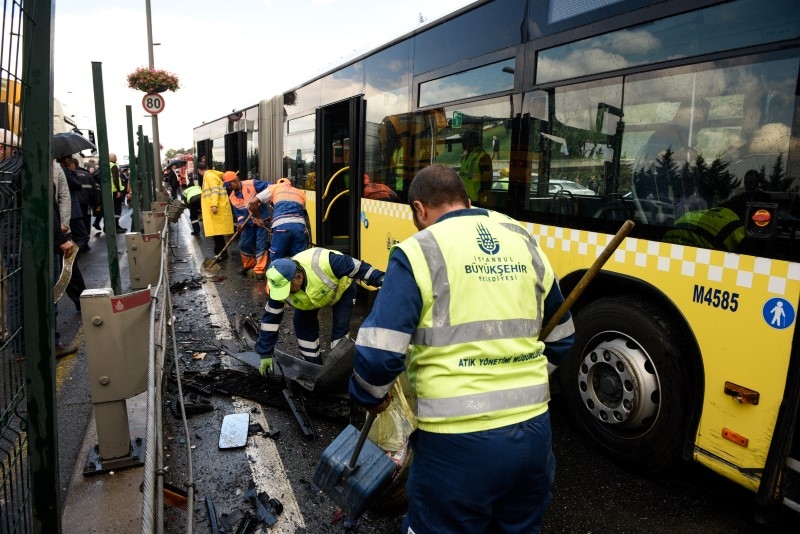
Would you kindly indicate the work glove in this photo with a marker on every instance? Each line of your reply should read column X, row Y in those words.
column 266, row 365
column 379, row 281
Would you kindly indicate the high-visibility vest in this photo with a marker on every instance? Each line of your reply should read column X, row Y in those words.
column 476, row 360
column 114, row 188
column 190, row 192
column 470, row 172
column 398, row 164
column 716, row 228
column 286, row 192
column 377, row 191
column 323, row 288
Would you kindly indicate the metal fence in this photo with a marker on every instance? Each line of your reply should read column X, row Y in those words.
column 15, row 511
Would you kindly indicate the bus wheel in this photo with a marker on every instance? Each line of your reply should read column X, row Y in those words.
column 625, row 383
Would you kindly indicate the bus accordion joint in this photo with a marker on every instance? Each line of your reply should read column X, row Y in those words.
column 741, row 393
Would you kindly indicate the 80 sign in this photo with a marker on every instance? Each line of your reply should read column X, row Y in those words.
column 153, row 103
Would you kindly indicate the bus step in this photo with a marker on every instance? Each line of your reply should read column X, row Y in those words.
column 791, row 486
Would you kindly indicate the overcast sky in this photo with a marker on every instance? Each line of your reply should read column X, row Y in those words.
column 227, row 54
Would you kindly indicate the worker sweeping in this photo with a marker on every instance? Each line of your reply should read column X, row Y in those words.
column 254, row 238
column 309, row 281
column 289, row 231
column 470, row 294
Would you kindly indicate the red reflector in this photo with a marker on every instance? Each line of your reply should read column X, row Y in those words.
column 738, row 439
column 761, row 217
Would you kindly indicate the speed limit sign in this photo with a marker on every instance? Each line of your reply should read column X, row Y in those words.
column 153, row 103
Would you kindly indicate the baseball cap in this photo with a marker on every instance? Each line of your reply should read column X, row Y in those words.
column 229, row 176
column 279, row 278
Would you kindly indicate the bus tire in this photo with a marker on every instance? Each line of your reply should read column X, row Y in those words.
column 625, row 383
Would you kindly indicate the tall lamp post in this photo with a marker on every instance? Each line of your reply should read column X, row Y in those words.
column 156, row 143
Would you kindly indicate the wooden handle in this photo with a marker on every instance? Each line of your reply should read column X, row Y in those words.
column 576, row 292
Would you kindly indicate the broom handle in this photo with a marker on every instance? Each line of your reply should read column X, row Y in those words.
column 627, row 226
column 362, row 437
column 221, row 252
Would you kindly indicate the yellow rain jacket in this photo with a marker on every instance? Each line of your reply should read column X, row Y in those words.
column 214, row 194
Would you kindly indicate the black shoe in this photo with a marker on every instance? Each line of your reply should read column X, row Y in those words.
column 96, row 225
column 122, row 230
column 223, row 257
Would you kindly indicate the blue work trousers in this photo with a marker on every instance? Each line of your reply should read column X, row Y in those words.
column 493, row 481
column 287, row 240
column 306, row 325
column 253, row 244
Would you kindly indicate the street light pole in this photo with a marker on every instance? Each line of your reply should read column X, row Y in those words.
column 154, row 118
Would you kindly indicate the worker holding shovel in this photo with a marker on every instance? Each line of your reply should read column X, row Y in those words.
column 471, row 296
column 253, row 238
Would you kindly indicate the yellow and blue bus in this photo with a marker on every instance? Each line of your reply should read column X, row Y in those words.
column 571, row 117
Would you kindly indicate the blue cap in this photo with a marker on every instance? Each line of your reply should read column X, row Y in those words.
column 279, row 278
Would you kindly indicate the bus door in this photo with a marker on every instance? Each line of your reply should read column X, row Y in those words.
column 236, row 153
column 340, row 142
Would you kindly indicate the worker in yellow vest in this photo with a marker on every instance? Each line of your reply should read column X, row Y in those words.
column 191, row 196
column 470, row 295
column 476, row 166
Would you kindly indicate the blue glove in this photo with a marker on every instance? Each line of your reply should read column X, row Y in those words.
column 266, row 365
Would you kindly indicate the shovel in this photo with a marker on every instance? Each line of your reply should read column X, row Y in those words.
column 211, row 265
column 353, row 484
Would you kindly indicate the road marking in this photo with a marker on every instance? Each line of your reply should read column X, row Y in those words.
column 266, row 466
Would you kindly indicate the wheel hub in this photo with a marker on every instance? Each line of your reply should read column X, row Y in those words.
column 617, row 383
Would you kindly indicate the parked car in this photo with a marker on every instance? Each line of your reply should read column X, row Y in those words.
column 574, row 188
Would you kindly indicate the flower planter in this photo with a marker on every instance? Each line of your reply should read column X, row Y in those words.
column 152, row 80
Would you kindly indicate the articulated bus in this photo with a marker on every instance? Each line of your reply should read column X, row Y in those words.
column 572, row 117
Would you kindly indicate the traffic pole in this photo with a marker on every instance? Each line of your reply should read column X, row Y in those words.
column 105, row 177
column 134, row 179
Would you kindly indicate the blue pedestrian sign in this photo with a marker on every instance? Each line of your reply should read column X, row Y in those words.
column 778, row 313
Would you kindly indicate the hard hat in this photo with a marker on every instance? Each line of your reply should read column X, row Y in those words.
column 229, row 176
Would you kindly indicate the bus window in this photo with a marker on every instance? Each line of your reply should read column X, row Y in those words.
column 476, row 142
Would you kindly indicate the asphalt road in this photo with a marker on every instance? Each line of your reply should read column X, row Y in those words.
column 591, row 494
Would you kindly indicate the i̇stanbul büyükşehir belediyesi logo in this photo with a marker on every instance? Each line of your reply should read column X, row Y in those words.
column 486, row 242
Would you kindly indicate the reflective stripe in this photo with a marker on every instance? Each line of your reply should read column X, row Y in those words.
column 270, row 327
column 561, row 331
column 317, row 268
column 356, row 268
column 445, row 335
column 516, row 229
column 270, row 309
column 368, row 274
column 378, row 392
column 383, row 339
column 287, row 220
column 309, row 352
column 440, row 283
column 482, row 403
column 308, row 344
